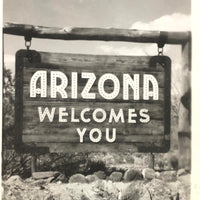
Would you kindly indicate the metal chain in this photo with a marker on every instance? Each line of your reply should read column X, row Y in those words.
column 28, row 44
column 160, row 51
column 161, row 42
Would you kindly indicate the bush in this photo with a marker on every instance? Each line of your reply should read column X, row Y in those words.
column 8, row 99
column 174, row 162
column 94, row 166
column 15, row 164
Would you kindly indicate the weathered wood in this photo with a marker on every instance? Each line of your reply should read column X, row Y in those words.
column 104, row 34
column 73, row 138
column 184, row 130
column 95, row 61
column 145, row 136
column 44, row 175
column 19, row 66
column 33, row 163
column 70, row 134
column 151, row 161
column 89, row 147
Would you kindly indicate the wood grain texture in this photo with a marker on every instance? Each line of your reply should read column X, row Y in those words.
column 64, row 138
column 142, row 136
column 104, row 34
column 69, row 130
column 45, row 175
column 116, row 147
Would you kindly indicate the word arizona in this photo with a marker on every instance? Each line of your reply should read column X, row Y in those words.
column 59, row 83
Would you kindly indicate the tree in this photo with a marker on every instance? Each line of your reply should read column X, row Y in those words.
column 8, row 103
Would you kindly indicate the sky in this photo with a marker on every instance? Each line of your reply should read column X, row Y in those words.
column 170, row 15
column 90, row 13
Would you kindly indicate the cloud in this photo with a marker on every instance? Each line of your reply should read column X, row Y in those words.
column 174, row 22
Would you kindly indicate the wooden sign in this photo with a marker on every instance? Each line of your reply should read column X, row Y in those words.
column 71, row 102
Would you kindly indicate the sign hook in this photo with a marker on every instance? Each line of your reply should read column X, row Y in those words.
column 28, row 45
column 27, row 42
column 161, row 42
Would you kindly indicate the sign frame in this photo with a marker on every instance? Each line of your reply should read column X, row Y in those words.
column 31, row 56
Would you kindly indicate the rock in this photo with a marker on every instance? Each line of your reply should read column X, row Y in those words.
column 185, row 179
column 111, row 169
column 132, row 174
column 135, row 191
column 116, row 176
column 100, row 174
column 121, row 167
column 181, row 172
column 168, row 176
column 91, row 178
column 106, row 190
column 184, row 186
column 157, row 175
column 84, row 197
column 77, row 178
column 14, row 180
column 141, row 190
column 158, row 189
column 44, row 175
column 24, row 191
column 61, row 178
column 40, row 182
column 148, row 173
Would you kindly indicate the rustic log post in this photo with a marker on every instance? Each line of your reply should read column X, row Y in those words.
column 33, row 163
column 151, row 161
column 184, row 129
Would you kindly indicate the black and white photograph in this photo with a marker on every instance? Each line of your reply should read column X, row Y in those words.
column 96, row 100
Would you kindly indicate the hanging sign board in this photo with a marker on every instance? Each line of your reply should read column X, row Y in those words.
column 71, row 102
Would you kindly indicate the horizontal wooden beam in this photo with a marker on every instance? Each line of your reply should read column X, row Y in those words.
column 104, row 34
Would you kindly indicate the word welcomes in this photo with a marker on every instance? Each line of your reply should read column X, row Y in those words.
column 129, row 82
column 101, row 100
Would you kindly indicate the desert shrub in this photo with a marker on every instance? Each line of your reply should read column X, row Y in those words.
column 10, row 159
column 174, row 162
column 8, row 98
column 15, row 164
column 94, row 166
column 161, row 164
column 69, row 164
column 8, row 108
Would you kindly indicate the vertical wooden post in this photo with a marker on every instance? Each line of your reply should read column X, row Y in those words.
column 33, row 163
column 151, row 161
column 184, row 129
